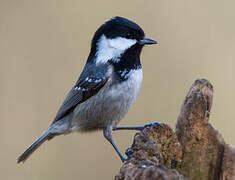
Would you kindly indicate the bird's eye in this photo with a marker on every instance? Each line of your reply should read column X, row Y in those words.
column 128, row 36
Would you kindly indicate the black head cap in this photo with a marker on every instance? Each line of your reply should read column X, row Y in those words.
column 118, row 27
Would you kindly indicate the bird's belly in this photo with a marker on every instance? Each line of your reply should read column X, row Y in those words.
column 108, row 106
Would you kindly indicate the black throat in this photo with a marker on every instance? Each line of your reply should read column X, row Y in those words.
column 129, row 60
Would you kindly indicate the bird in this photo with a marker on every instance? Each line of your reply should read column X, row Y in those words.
column 107, row 86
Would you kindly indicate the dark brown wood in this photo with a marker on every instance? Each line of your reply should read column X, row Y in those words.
column 194, row 151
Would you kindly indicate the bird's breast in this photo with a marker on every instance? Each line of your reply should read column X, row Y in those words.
column 110, row 104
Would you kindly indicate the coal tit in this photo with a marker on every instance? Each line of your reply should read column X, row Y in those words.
column 107, row 86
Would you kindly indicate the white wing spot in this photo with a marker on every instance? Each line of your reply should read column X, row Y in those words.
column 77, row 88
column 89, row 80
column 98, row 80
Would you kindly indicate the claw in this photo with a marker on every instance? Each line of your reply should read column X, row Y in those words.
column 128, row 158
column 129, row 155
column 129, row 152
column 154, row 124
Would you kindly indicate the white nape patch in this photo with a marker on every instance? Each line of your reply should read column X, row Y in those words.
column 108, row 49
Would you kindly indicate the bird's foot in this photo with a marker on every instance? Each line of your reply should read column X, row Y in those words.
column 154, row 124
column 129, row 154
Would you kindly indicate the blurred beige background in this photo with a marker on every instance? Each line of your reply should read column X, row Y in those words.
column 44, row 45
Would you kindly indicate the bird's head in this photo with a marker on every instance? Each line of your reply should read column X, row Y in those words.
column 115, row 37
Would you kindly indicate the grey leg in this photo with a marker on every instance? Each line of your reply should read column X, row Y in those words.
column 108, row 135
column 138, row 128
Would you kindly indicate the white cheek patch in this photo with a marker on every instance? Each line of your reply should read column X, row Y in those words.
column 121, row 43
column 108, row 49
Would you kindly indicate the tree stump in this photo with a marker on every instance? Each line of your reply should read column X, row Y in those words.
column 195, row 151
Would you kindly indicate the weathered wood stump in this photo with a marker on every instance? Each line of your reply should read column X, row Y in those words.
column 194, row 151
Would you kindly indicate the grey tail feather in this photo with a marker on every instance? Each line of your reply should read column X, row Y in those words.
column 45, row 136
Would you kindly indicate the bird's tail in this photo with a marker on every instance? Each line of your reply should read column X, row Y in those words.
column 45, row 136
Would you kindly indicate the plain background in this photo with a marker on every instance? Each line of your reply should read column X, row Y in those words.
column 44, row 45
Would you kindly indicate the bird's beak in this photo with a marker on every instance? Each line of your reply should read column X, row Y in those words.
column 147, row 41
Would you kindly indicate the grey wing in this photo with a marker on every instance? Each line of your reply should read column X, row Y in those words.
column 84, row 89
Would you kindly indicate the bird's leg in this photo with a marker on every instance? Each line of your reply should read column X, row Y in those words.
column 138, row 128
column 108, row 135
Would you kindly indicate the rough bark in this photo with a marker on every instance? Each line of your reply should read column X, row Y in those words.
column 194, row 151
